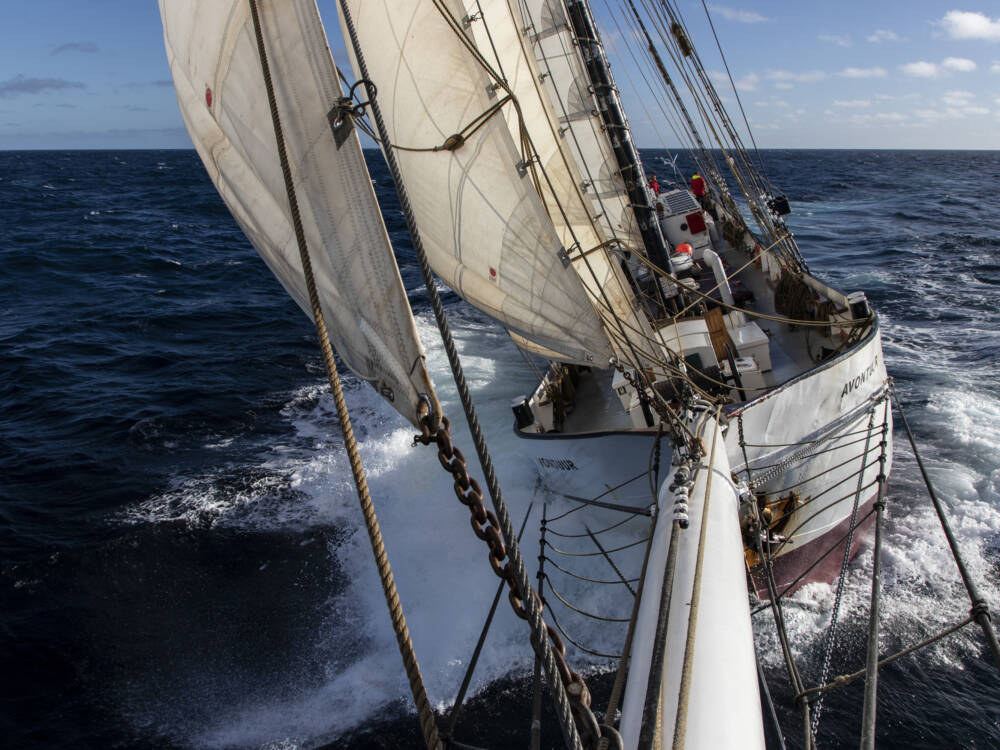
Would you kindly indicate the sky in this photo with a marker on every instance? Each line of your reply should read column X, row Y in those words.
column 814, row 74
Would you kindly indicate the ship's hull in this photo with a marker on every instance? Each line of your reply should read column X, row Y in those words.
column 609, row 467
column 820, row 441
column 812, row 451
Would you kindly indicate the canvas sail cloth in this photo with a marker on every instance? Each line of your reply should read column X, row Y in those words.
column 213, row 55
column 568, row 86
column 499, row 33
column 483, row 226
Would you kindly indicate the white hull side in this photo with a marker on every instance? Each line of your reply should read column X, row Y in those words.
column 590, row 465
column 811, row 436
column 831, row 405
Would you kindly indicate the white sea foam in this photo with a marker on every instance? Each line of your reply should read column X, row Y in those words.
column 922, row 590
column 441, row 569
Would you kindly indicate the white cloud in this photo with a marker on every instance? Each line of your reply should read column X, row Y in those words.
column 866, row 119
column 736, row 14
column 862, row 73
column 954, row 105
column 788, row 76
column 897, row 97
column 884, row 35
column 852, row 103
column 960, row 24
column 783, row 85
column 957, row 98
column 840, row 41
column 930, row 115
column 960, row 64
column 748, row 82
column 774, row 102
column 995, row 67
column 924, row 69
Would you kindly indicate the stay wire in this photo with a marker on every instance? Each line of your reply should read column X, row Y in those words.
column 571, row 574
column 831, row 636
column 474, row 661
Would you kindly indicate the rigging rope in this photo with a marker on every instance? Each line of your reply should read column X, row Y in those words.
column 980, row 608
column 565, row 684
column 571, row 574
column 623, row 664
column 456, row 710
column 831, row 639
column 611, row 562
column 871, row 661
column 846, row 679
column 594, row 554
column 570, row 605
column 736, row 93
column 602, row 531
column 426, row 715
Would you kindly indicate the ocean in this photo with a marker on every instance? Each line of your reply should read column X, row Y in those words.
column 182, row 559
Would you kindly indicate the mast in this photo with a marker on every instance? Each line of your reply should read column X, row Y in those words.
column 609, row 104
column 666, row 77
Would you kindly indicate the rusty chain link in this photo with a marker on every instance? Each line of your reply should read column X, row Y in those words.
column 486, row 526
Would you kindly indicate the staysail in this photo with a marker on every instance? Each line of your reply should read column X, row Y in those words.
column 483, row 225
column 216, row 67
column 500, row 35
column 565, row 79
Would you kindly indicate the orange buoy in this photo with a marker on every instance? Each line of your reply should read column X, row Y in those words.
column 684, row 248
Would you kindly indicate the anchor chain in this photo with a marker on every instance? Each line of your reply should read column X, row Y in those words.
column 486, row 527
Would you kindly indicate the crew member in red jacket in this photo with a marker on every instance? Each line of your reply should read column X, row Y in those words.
column 654, row 184
column 699, row 188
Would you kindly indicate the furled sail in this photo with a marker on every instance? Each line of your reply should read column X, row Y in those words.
column 213, row 55
column 568, row 86
column 482, row 224
column 499, row 31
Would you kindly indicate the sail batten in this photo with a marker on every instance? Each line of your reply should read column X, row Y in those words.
column 217, row 74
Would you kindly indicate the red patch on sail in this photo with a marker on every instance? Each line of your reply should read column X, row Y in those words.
column 208, row 96
column 493, row 272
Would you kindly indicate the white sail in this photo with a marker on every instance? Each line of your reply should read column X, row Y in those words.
column 568, row 86
column 213, row 55
column 483, row 226
column 500, row 36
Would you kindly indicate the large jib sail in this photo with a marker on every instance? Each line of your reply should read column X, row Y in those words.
column 486, row 231
column 216, row 67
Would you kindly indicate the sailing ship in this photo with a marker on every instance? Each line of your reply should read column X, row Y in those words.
column 668, row 322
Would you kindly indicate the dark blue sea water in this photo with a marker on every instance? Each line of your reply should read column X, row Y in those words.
column 180, row 557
